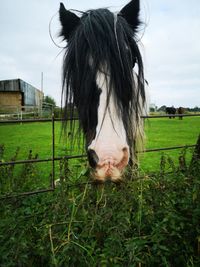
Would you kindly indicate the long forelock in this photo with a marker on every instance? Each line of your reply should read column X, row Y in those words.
column 103, row 42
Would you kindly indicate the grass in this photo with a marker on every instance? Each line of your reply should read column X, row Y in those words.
column 38, row 138
column 34, row 140
column 168, row 133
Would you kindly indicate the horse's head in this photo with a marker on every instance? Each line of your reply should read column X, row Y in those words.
column 98, row 80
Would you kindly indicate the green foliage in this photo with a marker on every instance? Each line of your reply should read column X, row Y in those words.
column 49, row 100
column 149, row 220
column 57, row 112
column 20, row 178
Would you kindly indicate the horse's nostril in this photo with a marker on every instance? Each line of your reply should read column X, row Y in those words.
column 125, row 149
column 92, row 158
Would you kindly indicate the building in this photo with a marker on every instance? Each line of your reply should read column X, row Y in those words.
column 18, row 93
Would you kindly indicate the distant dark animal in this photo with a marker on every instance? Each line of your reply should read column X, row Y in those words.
column 171, row 111
column 98, row 79
column 180, row 111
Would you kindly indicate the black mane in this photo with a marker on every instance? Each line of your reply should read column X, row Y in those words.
column 103, row 42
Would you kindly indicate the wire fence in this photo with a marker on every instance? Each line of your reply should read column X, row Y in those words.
column 13, row 112
column 53, row 159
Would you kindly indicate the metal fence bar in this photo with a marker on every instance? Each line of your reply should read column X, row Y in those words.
column 26, row 193
column 166, row 148
column 170, row 115
column 53, row 153
column 84, row 155
column 59, row 119
column 40, row 160
column 25, row 120
column 35, row 120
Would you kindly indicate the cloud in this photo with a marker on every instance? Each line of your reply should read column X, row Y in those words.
column 171, row 45
column 173, row 52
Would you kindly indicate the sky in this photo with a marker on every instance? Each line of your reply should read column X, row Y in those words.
column 169, row 42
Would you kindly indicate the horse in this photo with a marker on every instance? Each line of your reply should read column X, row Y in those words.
column 180, row 111
column 171, row 111
column 103, row 80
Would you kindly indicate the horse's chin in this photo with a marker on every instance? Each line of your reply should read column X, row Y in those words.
column 113, row 174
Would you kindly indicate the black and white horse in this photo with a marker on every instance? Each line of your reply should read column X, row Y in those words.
column 99, row 81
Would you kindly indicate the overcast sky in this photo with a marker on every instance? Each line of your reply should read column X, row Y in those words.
column 170, row 46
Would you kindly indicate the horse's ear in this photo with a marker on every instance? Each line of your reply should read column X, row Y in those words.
column 131, row 13
column 69, row 21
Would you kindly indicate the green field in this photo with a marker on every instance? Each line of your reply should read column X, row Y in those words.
column 164, row 132
column 37, row 138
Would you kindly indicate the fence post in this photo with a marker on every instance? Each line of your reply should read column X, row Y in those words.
column 53, row 152
column 18, row 117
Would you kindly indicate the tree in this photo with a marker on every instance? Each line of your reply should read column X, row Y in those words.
column 162, row 108
column 196, row 109
column 49, row 100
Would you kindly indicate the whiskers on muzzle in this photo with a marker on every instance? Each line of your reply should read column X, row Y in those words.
column 110, row 168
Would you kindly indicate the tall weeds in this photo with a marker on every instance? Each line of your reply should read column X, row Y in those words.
column 149, row 220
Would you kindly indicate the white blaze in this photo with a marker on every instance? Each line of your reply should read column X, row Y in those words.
column 110, row 136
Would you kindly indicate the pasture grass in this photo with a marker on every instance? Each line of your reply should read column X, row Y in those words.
column 37, row 137
column 164, row 132
column 34, row 141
